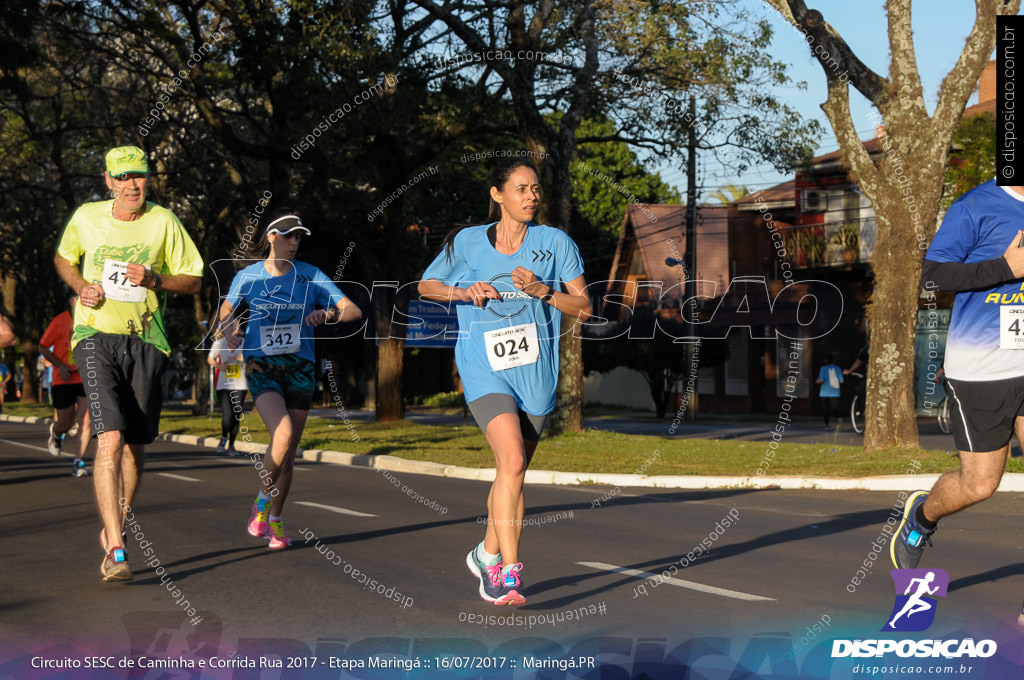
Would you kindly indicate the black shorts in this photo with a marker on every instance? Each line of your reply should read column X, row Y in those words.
column 983, row 412
column 123, row 379
column 488, row 407
column 65, row 396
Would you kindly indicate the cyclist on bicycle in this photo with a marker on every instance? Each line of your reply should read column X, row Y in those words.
column 861, row 363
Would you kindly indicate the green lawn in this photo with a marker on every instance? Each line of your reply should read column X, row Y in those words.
column 591, row 451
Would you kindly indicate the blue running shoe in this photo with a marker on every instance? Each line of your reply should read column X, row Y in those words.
column 511, row 585
column 910, row 539
column 490, row 576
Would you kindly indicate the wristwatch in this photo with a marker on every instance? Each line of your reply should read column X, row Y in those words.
column 156, row 278
column 548, row 295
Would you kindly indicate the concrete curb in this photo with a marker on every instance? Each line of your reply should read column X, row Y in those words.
column 1012, row 481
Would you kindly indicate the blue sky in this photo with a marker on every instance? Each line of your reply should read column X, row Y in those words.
column 940, row 29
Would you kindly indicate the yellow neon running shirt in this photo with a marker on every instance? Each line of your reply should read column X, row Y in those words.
column 157, row 239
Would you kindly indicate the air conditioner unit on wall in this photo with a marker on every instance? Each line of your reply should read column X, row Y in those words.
column 812, row 200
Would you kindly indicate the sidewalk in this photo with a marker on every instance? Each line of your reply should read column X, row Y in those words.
column 748, row 431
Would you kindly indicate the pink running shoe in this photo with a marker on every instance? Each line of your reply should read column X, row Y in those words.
column 259, row 525
column 278, row 541
column 511, row 585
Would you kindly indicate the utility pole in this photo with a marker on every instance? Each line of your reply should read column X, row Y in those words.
column 689, row 311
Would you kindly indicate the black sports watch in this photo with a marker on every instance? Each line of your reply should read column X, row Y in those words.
column 548, row 295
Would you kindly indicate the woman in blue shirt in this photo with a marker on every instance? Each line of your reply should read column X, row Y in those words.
column 286, row 299
column 511, row 280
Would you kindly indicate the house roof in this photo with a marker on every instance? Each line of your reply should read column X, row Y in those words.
column 780, row 195
column 988, row 107
column 661, row 234
column 872, row 146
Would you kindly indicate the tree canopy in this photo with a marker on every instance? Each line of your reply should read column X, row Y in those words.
column 362, row 113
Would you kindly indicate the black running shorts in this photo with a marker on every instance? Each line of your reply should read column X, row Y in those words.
column 123, row 378
column 65, row 396
column 983, row 412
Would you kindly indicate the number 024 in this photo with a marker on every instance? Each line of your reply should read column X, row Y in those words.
column 513, row 349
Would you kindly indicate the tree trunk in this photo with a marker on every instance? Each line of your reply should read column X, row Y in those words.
column 904, row 187
column 389, row 402
column 30, row 387
column 390, row 356
column 905, row 197
column 890, row 417
column 567, row 415
column 198, row 361
column 390, row 405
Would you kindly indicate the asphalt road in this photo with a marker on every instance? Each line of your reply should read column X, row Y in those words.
column 785, row 561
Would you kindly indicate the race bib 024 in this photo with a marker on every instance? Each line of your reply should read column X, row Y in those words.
column 513, row 346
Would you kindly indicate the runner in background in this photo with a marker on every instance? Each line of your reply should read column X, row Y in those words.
column 286, row 300
column 6, row 340
column 68, row 393
column 231, row 385
column 5, row 379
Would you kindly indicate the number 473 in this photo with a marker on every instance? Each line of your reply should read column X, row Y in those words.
column 124, row 279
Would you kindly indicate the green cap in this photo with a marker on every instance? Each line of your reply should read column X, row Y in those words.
column 125, row 159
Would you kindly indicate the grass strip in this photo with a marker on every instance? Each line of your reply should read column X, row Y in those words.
column 590, row 451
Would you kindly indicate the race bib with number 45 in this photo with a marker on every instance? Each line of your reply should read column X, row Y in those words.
column 1011, row 327
column 116, row 285
column 513, row 346
column 280, row 339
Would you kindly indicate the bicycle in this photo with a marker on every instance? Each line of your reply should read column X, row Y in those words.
column 857, row 404
column 943, row 416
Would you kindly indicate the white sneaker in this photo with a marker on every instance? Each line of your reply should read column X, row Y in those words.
column 53, row 444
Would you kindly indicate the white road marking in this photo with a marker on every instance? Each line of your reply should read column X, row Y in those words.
column 340, row 511
column 782, row 511
column 27, row 446
column 180, row 477
column 712, row 590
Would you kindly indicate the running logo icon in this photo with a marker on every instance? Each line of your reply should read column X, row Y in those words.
column 916, row 589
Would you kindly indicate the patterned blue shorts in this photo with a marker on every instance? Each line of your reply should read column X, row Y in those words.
column 289, row 375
